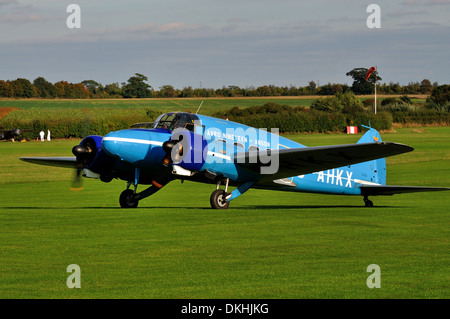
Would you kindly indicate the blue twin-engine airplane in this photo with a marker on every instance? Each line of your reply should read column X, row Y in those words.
column 200, row 148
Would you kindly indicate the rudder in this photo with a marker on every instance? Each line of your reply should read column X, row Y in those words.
column 376, row 169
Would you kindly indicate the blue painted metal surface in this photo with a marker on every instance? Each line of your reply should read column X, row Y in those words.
column 222, row 140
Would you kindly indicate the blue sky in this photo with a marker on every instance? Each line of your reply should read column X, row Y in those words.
column 213, row 43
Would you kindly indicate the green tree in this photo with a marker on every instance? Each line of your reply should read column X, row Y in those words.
column 412, row 87
column 350, row 102
column 342, row 102
column 264, row 91
column 187, row 92
column 62, row 89
column 167, row 91
column 6, row 89
column 44, row 88
column 360, row 85
column 23, row 88
column 79, row 91
column 440, row 95
column 330, row 89
column 426, row 86
column 93, row 86
column 328, row 104
column 311, row 87
column 113, row 89
column 137, row 88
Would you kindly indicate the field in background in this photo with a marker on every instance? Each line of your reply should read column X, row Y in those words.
column 210, row 105
column 267, row 245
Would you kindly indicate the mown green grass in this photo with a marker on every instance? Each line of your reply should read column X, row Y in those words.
column 266, row 245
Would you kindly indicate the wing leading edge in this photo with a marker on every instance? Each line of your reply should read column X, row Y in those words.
column 301, row 161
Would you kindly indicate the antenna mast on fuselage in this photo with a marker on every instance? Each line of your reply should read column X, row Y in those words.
column 199, row 107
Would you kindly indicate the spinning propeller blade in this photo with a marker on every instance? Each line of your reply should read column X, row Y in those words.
column 81, row 153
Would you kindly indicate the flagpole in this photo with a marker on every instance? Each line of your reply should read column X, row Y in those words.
column 376, row 74
column 368, row 74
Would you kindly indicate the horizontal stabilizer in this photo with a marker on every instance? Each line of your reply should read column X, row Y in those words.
column 66, row 162
column 373, row 190
column 306, row 160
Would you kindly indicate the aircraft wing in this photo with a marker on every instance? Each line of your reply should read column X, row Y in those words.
column 301, row 161
column 373, row 190
column 67, row 162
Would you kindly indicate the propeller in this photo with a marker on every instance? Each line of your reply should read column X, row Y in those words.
column 82, row 153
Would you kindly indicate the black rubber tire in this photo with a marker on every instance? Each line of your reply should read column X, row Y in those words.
column 369, row 203
column 127, row 199
column 218, row 200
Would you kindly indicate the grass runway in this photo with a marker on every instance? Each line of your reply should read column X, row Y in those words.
column 266, row 245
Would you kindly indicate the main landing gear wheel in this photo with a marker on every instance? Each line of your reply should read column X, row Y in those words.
column 128, row 199
column 218, row 199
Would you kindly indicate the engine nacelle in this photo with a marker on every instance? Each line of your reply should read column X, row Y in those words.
column 96, row 159
column 189, row 151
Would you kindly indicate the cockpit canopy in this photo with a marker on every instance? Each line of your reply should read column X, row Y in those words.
column 175, row 120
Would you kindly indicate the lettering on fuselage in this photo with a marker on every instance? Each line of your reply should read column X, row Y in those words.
column 336, row 177
column 249, row 136
column 246, row 138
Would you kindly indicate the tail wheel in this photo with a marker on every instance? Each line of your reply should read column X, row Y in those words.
column 218, row 199
column 128, row 199
column 368, row 202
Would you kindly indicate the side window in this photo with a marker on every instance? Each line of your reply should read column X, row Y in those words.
column 155, row 125
column 239, row 144
column 253, row 148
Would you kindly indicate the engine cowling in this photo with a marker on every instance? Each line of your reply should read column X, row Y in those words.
column 188, row 149
column 90, row 153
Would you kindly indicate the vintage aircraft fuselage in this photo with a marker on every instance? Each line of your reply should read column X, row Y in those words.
column 142, row 148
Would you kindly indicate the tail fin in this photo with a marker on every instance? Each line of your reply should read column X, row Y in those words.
column 376, row 169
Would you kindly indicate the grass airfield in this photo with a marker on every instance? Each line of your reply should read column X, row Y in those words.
column 266, row 245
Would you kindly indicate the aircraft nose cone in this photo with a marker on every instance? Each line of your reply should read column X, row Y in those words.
column 111, row 144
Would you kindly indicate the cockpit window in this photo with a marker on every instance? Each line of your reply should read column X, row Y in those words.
column 172, row 121
column 167, row 121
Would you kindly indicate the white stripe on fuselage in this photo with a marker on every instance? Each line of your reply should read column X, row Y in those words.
column 149, row 142
column 132, row 140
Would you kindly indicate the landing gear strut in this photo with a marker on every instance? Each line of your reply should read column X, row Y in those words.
column 220, row 199
column 130, row 198
column 368, row 202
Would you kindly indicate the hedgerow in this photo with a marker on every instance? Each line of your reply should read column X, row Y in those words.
column 297, row 120
column 78, row 123
column 74, row 123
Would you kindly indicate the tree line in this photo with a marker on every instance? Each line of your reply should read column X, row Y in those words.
column 137, row 87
